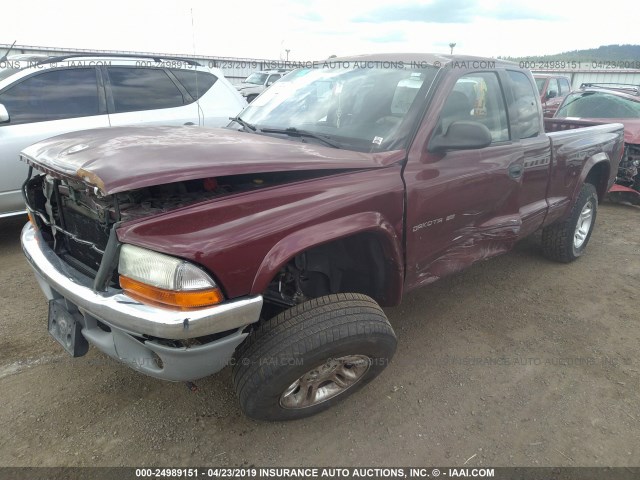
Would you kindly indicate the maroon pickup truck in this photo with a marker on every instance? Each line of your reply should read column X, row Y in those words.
column 553, row 89
column 271, row 245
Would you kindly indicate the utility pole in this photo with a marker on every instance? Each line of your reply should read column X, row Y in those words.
column 287, row 50
column 452, row 44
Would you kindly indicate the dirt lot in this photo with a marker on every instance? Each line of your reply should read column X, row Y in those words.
column 517, row 361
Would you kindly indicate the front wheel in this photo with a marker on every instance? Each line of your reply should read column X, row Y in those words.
column 310, row 357
column 565, row 241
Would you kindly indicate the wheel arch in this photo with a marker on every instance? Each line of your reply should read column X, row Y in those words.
column 596, row 171
column 364, row 227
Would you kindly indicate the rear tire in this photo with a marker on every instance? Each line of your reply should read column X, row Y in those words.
column 310, row 357
column 567, row 240
column 251, row 98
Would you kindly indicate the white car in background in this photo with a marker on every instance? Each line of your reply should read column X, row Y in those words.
column 43, row 96
column 258, row 82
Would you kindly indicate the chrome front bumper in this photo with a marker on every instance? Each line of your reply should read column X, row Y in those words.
column 129, row 320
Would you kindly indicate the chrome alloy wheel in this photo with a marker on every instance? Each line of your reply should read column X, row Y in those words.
column 583, row 225
column 325, row 381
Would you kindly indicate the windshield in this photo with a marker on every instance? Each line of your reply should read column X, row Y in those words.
column 7, row 72
column 540, row 84
column 360, row 109
column 598, row 105
column 256, row 78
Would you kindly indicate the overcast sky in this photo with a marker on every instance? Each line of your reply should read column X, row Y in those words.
column 316, row 29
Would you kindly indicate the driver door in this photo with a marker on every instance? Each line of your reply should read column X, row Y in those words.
column 462, row 204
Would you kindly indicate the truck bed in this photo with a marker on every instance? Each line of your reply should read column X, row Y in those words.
column 561, row 124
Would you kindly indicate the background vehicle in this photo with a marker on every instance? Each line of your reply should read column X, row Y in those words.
column 274, row 246
column 552, row 89
column 258, row 82
column 45, row 96
column 612, row 102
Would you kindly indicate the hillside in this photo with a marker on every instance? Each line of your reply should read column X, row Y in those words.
column 602, row 53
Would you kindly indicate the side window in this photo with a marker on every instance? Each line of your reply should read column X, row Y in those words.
column 195, row 82
column 477, row 97
column 273, row 79
column 53, row 95
column 136, row 89
column 526, row 104
column 552, row 88
column 564, row 86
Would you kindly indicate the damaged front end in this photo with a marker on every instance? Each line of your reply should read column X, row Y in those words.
column 627, row 184
column 162, row 311
column 74, row 249
column 77, row 221
column 74, row 222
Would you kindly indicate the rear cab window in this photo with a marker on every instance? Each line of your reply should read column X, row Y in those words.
column 526, row 105
column 405, row 94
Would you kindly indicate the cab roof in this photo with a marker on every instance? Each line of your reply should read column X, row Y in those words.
column 435, row 59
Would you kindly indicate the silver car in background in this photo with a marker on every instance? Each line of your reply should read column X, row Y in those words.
column 42, row 96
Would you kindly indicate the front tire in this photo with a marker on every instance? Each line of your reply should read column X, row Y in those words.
column 567, row 240
column 310, row 357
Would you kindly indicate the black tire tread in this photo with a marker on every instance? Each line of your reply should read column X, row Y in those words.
column 557, row 239
column 343, row 315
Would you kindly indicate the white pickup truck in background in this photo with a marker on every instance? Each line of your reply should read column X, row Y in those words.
column 258, row 82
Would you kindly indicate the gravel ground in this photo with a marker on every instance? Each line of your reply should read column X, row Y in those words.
column 516, row 361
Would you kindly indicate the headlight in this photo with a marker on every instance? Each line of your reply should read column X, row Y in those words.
column 160, row 279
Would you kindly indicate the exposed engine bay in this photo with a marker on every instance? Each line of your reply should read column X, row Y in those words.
column 76, row 221
column 628, row 168
column 627, row 184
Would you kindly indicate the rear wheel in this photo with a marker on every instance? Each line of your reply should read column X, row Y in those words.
column 310, row 357
column 565, row 241
column 251, row 98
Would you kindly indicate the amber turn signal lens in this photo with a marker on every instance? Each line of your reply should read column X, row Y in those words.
column 182, row 300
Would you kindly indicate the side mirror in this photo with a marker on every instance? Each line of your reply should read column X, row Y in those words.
column 4, row 115
column 461, row 135
column 551, row 94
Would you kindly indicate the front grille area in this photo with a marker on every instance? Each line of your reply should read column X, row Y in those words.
column 89, row 230
column 67, row 224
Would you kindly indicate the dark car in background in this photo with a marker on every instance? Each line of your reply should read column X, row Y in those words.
column 552, row 89
column 612, row 102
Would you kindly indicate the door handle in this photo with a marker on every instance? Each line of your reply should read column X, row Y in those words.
column 516, row 170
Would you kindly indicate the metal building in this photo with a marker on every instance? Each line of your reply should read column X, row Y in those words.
column 597, row 75
column 234, row 68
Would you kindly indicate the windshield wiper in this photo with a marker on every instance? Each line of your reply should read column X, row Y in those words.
column 295, row 132
column 244, row 124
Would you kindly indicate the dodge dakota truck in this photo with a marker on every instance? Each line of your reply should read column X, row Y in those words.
column 271, row 245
